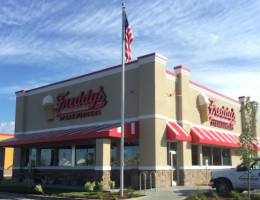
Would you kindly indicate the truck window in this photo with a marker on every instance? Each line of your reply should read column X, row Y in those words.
column 241, row 167
column 256, row 165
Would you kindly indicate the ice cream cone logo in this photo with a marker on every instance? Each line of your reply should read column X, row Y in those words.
column 203, row 106
column 48, row 106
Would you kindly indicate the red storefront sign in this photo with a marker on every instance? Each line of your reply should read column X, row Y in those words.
column 84, row 105
column 221, row 116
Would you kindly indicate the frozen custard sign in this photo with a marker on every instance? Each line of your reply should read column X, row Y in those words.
column 221, row 116
column 87, row 104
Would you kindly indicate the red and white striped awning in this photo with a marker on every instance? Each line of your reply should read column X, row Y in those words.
column 111, row 130
column 215, row 137
column 176, row 132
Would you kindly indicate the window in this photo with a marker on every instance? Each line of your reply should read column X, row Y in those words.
column 113, row 158
column 171, row 146
column 64, row 156
column 131, row 154
column 206, row 154
column 85, row 155
column 226, row 157
column 216, row 156
column 56, row 157
column 25, row 158
column 33, row 157
column 48, row 157
column 195, row 154
column 256, row 165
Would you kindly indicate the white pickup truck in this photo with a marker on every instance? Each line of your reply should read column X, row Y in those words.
column 236, row 178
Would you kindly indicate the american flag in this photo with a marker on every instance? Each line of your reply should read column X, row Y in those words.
column 128, row 39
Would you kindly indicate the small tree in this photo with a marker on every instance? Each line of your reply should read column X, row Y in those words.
column 247, row 151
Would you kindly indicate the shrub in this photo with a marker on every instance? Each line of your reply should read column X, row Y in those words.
column 5, row 182
column 235, row 195
column 29, row 183
column 212, row 193
column 89, row 186
column 197, row 195
column 101, row 186
column 255, row 197
column 38, row 189
column 14, row 181
column 112, row 184
column 99, row 195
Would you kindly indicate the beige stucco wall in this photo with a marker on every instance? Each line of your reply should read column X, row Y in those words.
column 235, row 157
column 169, row 96
column 103, row 152
column 194, row 113
column 30, row 114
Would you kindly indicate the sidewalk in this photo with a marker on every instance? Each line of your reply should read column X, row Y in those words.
column 170, row 193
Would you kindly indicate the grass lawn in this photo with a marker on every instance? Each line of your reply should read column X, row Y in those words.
column 70, row 193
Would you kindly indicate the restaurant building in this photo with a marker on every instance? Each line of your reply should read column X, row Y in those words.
column 69, row 132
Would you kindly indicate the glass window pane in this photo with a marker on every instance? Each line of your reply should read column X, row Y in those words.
column 64, row 156
column 33, row 157
column 206, row 154
column 173, row 146
column 91, row 156
column 85, row 155
column 131, row 154
column 113, row 154
column 195, row 154
column 216, row 156
column 81, row 156
column 45, row 157
column 226, row 157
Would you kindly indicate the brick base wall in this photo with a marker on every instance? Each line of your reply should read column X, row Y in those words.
column 79, row 177
column 132, row 177
column 66, row 177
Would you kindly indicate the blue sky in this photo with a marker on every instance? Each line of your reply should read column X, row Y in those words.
column 46, row 41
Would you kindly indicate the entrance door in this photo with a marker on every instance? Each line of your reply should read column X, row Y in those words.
column 173, row 156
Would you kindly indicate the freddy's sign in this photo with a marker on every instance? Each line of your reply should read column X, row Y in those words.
column 86, row 104
column 221, row 116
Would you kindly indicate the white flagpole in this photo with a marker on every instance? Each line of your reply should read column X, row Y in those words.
column 122, row 105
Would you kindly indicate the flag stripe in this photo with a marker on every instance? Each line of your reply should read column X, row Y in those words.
column 128, row 40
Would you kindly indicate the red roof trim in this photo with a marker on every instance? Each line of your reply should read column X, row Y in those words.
column 214, row 92
column 171, row 73
column 182, row 67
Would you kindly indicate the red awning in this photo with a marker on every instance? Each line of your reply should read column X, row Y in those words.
column 216, row 137
column 209, row 136
column 112, row 130
column 176, row 132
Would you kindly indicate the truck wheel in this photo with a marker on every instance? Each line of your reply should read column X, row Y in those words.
column 223, row 186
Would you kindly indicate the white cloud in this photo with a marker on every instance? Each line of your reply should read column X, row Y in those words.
column 7, row 127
